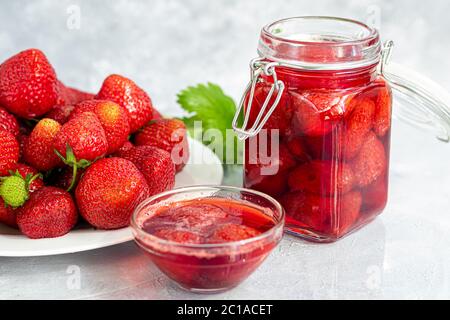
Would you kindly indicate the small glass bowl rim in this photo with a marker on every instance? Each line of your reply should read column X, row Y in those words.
column 263, row 236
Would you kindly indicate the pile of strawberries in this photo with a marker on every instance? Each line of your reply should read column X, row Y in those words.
column 333, row 155
column 65, row 153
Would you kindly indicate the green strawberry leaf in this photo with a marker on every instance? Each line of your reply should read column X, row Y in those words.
column 208, row 104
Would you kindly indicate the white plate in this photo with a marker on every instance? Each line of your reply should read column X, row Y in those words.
column 203, row 168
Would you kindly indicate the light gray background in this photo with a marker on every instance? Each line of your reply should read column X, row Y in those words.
column 167, row 45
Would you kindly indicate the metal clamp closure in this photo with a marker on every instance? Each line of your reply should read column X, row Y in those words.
column 257, row 68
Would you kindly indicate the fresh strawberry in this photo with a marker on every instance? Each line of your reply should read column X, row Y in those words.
column 232, row 232
column 314, row 112
column 322, row 178
column 79, row 142
column 113, row 117
column 8, row 122
column 85, row 135
column 126, row 146
column 371, row 162
column 73, row 96
column 22, row 139
column 50, row 212
column 156, row 115
column 281, row 116
column 28, row 84
column 63, row 178
column 357, row 125
column 181, row 236
column 25, row 171
column 156, row 166
column 169, row 135
column 269, row 176
column 382, row 122
column 60, row 113
column 126, row 93
column 7, row 215
column 9, row 152
column 109, row 191
column 15, row 188
column 321, row 214
column 39, row 147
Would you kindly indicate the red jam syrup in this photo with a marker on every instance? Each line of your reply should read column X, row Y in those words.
column 211, row 245
column 334, row 139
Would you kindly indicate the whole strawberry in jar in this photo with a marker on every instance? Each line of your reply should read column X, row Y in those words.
column 317, row 123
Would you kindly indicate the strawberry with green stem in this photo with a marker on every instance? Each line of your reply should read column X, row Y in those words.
column 81, row 141
column 72, row 162
column 15, row 189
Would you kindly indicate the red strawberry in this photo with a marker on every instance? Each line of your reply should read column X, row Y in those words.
column 71, row 96
column 60, row 113
column 232, row 232
column 281, row 116
column 314, row 112
column 113, row 117
column 322, row 178
column 9, row 152
column 297, row 147
column 156, row 115
column 39, row 150
column 7, row 215
column 156, row 166
column 22, row 139
column 357, row 126
column 180, row 236
column 270, row 178
column 8, row 122
column 50, row 212
column 371, row 162
column 85, row 135
column 126, row 93
column 63, row 178
column 273, row 185
column 109, row 191
column 375, row 195
column 24, row 171
column 322, row 214
column 323, row 148
column 126, row 146
column 169, row 135
column 28, row 84
column 382, row 122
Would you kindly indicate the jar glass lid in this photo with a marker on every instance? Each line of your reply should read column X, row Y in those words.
column 324, row 43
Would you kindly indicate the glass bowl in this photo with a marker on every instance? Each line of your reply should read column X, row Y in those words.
column 209, row 267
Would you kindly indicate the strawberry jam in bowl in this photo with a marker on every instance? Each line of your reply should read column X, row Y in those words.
column 208, row 239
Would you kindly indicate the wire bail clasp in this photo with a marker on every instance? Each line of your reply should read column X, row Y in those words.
column 257, row 68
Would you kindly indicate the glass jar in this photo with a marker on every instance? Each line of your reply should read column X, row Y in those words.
column 317, row 123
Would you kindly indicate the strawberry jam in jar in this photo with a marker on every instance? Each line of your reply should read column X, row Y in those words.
column 317, row 124
column 208, row 239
